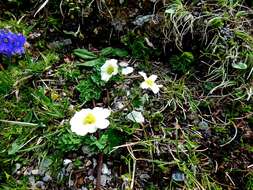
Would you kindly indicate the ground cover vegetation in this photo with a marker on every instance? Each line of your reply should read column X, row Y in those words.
column 123, row 94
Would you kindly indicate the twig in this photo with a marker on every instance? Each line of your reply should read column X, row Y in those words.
column 133, row 174
column 19, row 123
column 130, row 150
column 99, row 171
column 41, row 7
column 230, row 178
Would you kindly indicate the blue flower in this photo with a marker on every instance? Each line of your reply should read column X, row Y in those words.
column 11, row 43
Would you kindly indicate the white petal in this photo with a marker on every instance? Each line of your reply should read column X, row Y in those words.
column 143, row 75
column 101, row 113
column 111, row 61
column 116, row 68
column 83, row 112
column 79, row 130
column 91, row 128
column 153, row 77
column 104, row 67
column 155, row 88
column 77, row 119
column 136, row 116
column 127, row 70
column 102, row 123
column 105, row 76
column 144, row 85
column 77, row 125
column 123, row 64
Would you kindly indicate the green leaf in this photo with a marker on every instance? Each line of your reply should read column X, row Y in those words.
column 15, row 147
column 119, row 52
column 244, row 36
column 106, row 51
column 113, row 52
column 84, row 54
column 102, row 142
column 91, row 63
column 216, row 22
column 240, row 65
column 68, row 141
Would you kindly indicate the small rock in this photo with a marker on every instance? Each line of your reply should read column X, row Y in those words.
column 59, row 44
column 44, row 165
column 86, row 150
column 31, row 180
column 17, row 167
column 91, row 178
column 123, row 64
column 94, row 162
column 144, row 177
column 71, row 183
column 203, row 125
column 90, row 172
column 140, row 20
column 178, row 176
column 88, row 163
column 47, row 178
column 35, row 172
column 119, row 105
column 103, row 180
column 69, row 168
column 205, row 128
column 66, row 162
column 40, row 184
column 27, row 172
column 105, row 170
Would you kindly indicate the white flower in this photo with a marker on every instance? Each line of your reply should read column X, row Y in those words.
column 136, row 116
column 89, row 120
column 149, row 83
column 127, row 70
column 109, row 69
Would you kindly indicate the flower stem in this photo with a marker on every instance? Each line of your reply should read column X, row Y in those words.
column 99, row 171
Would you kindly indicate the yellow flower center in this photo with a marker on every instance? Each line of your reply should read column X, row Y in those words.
column 89, row 119
column 110, row 69
column 149, row 82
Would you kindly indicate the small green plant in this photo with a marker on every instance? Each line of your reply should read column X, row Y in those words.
column 89, row 90
column 182, row 63
column 91, row 87
column 138, row 46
